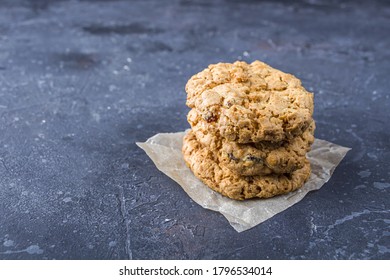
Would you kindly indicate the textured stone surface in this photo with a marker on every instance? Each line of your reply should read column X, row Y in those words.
column 81, row 81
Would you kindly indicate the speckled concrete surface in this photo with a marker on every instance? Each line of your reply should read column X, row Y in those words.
column 82, row 81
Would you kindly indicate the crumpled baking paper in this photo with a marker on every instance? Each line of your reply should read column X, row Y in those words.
column 165, row 151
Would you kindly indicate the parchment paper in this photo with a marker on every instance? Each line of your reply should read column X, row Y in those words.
column 165, row 151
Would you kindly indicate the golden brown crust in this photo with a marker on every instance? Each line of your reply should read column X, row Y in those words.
column 205, row 165
column 250, row 102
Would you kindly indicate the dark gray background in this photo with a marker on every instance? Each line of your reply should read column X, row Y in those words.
column 82, row 81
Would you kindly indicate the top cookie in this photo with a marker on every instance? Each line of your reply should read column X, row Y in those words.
column 251, row 102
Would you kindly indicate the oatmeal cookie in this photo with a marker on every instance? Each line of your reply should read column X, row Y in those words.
column 205, row 165
column 250, row 102
column 250, row 159
column 267, row 157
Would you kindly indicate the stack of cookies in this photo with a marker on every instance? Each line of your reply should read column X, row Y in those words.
column 251, row 126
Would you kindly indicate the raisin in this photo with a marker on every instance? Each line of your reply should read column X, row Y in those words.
column 209, row 117
column 232, row 157
column 255, row 159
